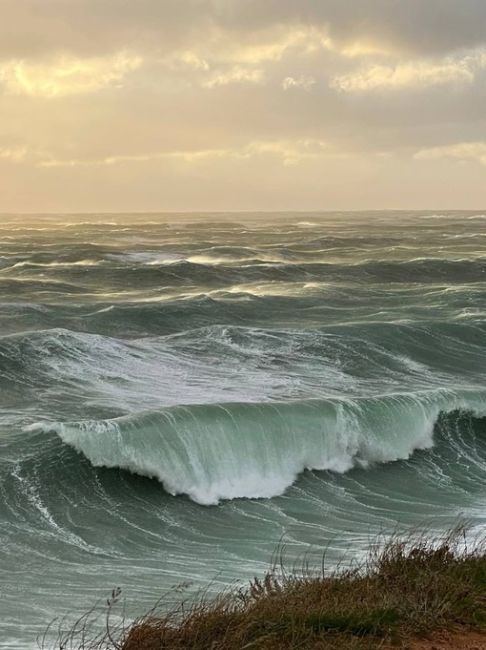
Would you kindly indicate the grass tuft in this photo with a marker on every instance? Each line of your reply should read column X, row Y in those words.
column 406, row 589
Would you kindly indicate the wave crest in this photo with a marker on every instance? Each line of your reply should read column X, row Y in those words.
column 226, row 451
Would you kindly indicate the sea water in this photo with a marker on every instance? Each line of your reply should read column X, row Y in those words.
column 181, row 394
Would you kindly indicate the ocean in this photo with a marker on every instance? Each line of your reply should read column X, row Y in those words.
column 183, row 394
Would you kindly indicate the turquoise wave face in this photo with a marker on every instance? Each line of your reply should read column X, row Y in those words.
column 226, row 451
column 179, row 394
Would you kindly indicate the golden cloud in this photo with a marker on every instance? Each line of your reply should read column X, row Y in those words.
column 462, row 151
column 66, row 75
column 413, row 74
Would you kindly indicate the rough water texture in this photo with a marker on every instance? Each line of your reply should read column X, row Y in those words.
column 180, row 393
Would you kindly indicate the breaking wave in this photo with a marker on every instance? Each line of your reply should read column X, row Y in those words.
column 213, row 452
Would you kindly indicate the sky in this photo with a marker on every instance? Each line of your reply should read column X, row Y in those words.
column 148, row 105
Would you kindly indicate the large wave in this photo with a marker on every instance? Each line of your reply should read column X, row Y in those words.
column 256, row 450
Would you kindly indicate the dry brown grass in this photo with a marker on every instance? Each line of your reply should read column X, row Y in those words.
column 405, row 590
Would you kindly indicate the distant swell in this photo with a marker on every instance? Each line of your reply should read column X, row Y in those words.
column 225, row 451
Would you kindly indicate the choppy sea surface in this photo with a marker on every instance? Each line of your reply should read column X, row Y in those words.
column 181, row 393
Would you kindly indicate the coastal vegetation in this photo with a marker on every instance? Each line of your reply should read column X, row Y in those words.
column 407, row 590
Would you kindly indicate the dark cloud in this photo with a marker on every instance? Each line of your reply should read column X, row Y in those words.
column 36, row 27
column 415, row 25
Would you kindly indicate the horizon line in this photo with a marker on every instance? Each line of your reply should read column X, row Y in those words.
column 230, row 211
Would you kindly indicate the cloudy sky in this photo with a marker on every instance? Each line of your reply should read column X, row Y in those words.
column 110, row 105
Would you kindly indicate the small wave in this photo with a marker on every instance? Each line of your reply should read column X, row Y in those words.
column 150, row 258
column 256, row 450
column 262, row 290
column 213, row 260
column 95, row 223
column 28, row 264
column 22, row 286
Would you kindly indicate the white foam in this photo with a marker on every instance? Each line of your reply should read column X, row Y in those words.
column 149, row 258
